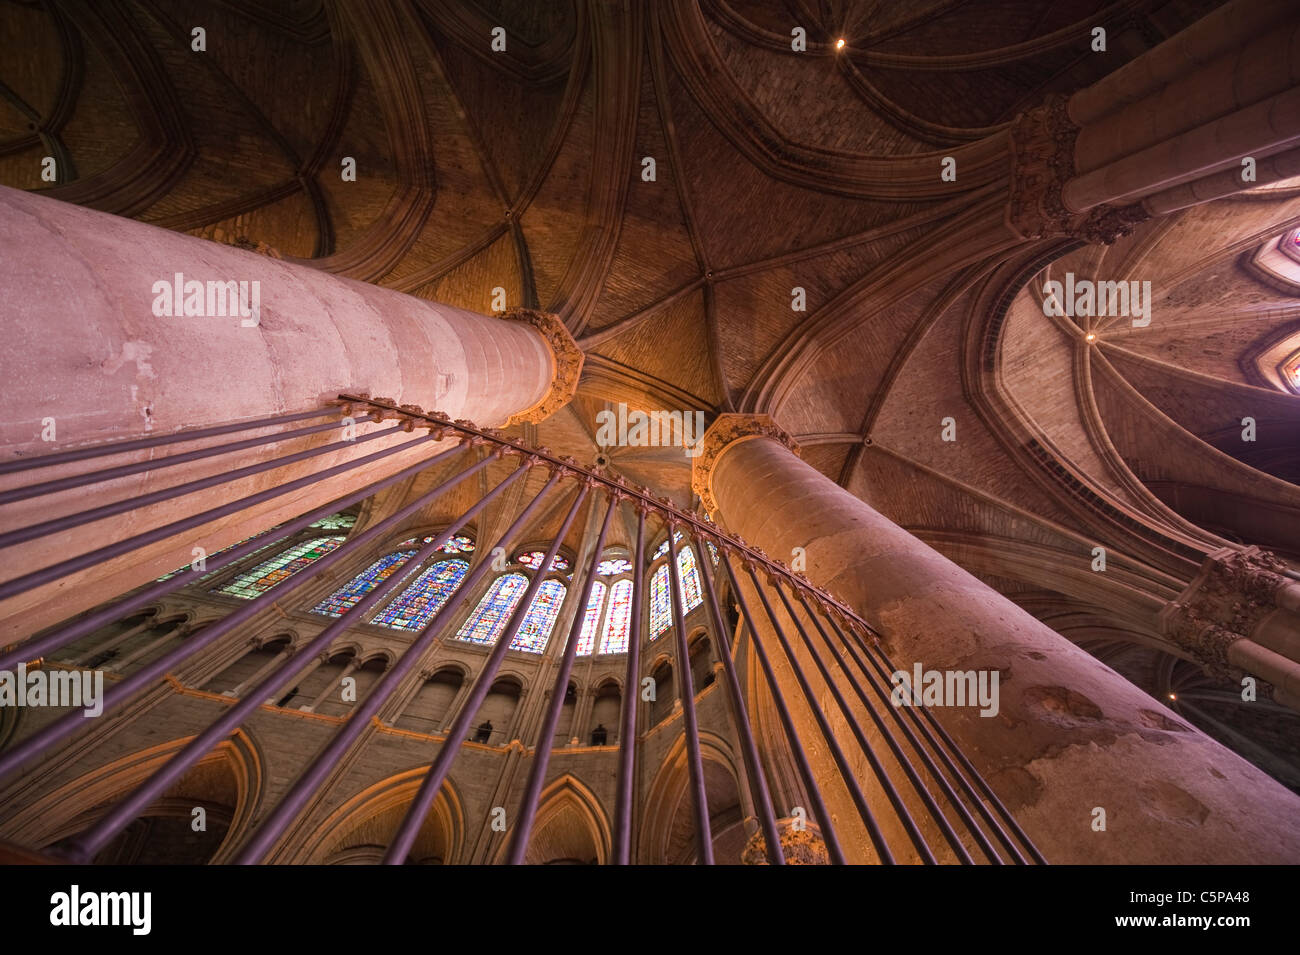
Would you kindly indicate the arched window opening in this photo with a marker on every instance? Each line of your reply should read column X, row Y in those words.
column 432, row 702
column 415, row 606
column 564, row 728
column 336, row 522
column 351, row 593
column 540, row 619
column 533, row 559
column 661, row 610
column 342, row 697
column 495, row 718
column 701, row 662
column 618, row 620
column 688, row 578
column 333, row 522
column 489, row 617
column 279, row 568
column 224, row 550
column 256, row 662
column 662, row 549
column 665, row 693
column 692, row 595
column 591, row 619
column 606, row 710
column 423, row 593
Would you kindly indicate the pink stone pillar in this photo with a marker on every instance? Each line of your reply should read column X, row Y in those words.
column 1070, row 736
column 82, row 348
column 1189, row 110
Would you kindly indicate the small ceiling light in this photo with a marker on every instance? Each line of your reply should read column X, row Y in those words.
column 1173, row 696
column 1090, row 337
column 839, row 44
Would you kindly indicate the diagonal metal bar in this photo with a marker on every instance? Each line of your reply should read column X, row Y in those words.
column 759, row 790
column 433, row 780
column 627, row 735
column 813, row 791
column 154, row 670
column 40, row 646
column 690, row 722
column 545, row 736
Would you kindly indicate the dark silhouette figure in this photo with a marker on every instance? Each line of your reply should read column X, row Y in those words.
column 484, row 732
column 599, row 735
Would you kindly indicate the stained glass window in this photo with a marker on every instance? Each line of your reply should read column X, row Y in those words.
column 416, row 605
column 540, row 619
column 268, row 573
column 689, row 579
column 663, row 548
column 489, row 617
column 333, row 522
column 336, row 522
column 612, row 568
column 222, row 551
column 534, row 560
column 661, row 608
column 351, row 593
column 661, row 611
column 591, row 619
column 1291, row 371
column 618, row 622
column 457, row 544
column 713, row 552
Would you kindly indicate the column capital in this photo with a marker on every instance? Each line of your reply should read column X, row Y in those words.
column 1234, row 590
column 726, row 430
column 568, row 360
column 1042, row 161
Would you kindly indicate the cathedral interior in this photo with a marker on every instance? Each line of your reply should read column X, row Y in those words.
column 496, row 431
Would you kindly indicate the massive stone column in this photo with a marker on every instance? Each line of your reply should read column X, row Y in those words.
column 1168, row 130
column 96, row 346
column 1070, row 735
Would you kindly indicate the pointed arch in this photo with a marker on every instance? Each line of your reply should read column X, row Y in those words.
column 266, row 575
column 228, row 783
column 415, row 606
column 570, row 827
column 667, row 834
column 360, row 830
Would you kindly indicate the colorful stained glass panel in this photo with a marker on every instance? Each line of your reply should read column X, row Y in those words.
column 663, row 547
column 612, row 568
column 224, row 550
column 351, row 593
column 489, row 617
column 591, row 619
column 416, row 605
column 534, row 558
column 336, row 522
column 661, row 611
column 540, row 619
column 618, row 621
column 457, row 544
column 268, row 573
column 689, row 580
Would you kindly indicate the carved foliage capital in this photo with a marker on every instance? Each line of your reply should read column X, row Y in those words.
column 1233, row 592
column 726, row 430
column 568, row 364
column 799, row 846
column 1042, row 162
